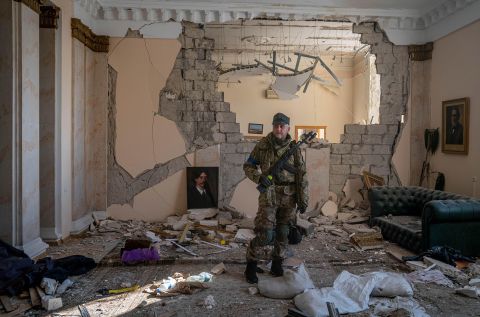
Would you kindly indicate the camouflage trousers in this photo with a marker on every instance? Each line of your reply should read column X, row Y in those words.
column 272, row 224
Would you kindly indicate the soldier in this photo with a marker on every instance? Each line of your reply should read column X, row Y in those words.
column 276, row 206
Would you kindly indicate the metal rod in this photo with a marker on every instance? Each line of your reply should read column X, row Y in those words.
column 283, row 66
column 274, row 61
column 310, row 77
column 181, row 247
column 264, row 65
column 322, row 63
column 215, row 245
column 297, row 64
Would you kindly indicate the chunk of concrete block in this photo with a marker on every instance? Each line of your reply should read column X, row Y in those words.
column 201, row 214
column 246, row 223
column 179, row 225
column 468, row 291
column 333, row 197
column 344, row 216
column 218, row 269
column 321, row 220
column 445, row 268
column 51, row 303
column 330, row 209
column 244, row 235
column 209, row 223
column 305, row 226
column 231, row 228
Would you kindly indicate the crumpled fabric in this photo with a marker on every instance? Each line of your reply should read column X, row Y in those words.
column 140, row 255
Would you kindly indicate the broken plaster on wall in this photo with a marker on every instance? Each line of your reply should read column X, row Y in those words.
column 122, row 187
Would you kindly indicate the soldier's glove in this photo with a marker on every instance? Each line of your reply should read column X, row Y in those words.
column 301, row 208
column 264, row 181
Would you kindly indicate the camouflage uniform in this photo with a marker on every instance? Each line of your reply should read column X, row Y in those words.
column 276, row 210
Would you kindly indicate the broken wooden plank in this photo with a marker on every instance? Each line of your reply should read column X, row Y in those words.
column 19, row 311
column 184, row 233
column 34, row 297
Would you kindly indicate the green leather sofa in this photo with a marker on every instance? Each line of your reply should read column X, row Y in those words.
column 418, row 218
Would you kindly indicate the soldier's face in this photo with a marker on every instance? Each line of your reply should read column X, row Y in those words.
column 281, row 130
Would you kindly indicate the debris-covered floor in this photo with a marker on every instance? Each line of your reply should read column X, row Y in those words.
column 326, row 252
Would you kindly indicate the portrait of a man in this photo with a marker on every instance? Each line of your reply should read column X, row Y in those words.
column 202, row 191
column 455, row 119
column 454, row 126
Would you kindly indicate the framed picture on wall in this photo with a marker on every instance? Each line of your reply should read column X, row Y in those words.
column 455, row 119
column 255, row 128
column 321, row 131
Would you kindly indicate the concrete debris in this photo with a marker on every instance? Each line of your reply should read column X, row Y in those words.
column 49, row 285
column 330, row 209
column 180, row 225
column 224, row 218
column 209, row 302
column 231, row 228
column 352, row 190
column 64, row 286
column 445, row 268
column 474, row 282
column 172, row 219
column 152, row 237
column 253, row 290
column 209, row 223
column 350, row 203
column 218, row 269
column 357, row 220
column 469, row 291
column 333, row 197
column 110, row 225
column 321, row 220
column 344, row 216
column 305, row 226
column 244, row 235
column 429, row 276
column 312, row 213
column 201, row 214
column 51, row 303
column 416, row 265
column 99, row 216
column 367, row 241
column 246, row 223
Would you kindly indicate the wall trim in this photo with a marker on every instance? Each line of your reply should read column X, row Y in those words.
column 32, row 4
column 81, row 224
column 49, row 17
column 81, row 32
column 34, row 248
column 50, row 234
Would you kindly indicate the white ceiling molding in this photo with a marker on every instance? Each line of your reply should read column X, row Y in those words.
column 405, row 22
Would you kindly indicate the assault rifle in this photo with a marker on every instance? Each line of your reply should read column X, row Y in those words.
column 282, row 162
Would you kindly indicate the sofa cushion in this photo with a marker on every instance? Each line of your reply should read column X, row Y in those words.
column 404, row 230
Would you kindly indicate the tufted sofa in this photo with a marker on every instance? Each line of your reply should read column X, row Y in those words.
column 418, row 218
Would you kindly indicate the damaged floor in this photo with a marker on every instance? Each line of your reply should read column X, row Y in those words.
column 326, row 252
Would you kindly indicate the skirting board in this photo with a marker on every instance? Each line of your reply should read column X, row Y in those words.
column 81, row 224
column 34, row 247
column 49, row 234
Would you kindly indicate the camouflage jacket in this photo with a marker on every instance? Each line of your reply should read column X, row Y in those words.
column 265, row 153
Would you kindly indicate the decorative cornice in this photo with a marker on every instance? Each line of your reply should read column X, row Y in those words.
column 420, row 52
column 49, row 17
column 97, row 43
column 32, row 4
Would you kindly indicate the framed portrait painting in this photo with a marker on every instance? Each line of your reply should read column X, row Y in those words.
column 455, row 120
column 202, row 187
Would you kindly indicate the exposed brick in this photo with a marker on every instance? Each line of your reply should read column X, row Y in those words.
column 351, row 159
column 204, row 43
column 187, row 42
column 373, row 159
column 194, row 53
column 211, row 75
column 226, row 117
column 219, row 137
column 194, row 32
column 382, row 149
column 363, row 28
column 341, row 148
column 235, row 158
column 355, row 128
column 228, row 127
column 204, row 64
column 362, row 149
column 371, row 139
column 335, row 159
column 377, row 129
column 209, row 116
column 338, row 179
column 219, row 106
column 228, row 148
column 245, row 147
column 193, row 74
column 392, row 128
column 188, row 85
column 234, row 137
column 204, row 85
column 388, row 139
column 380, row 170
column 340, row 169
column 358, row 169
column 195, row 95
column 350, row 138
column 200, row 106
column 213, row 95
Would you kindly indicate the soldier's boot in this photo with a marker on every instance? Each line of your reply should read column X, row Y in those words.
column 276, row 269
column 251, row 272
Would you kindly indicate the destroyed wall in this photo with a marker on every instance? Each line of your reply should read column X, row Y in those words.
column 146, row 168
column 370, row 147
column 319, row 105
column 89, row 120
